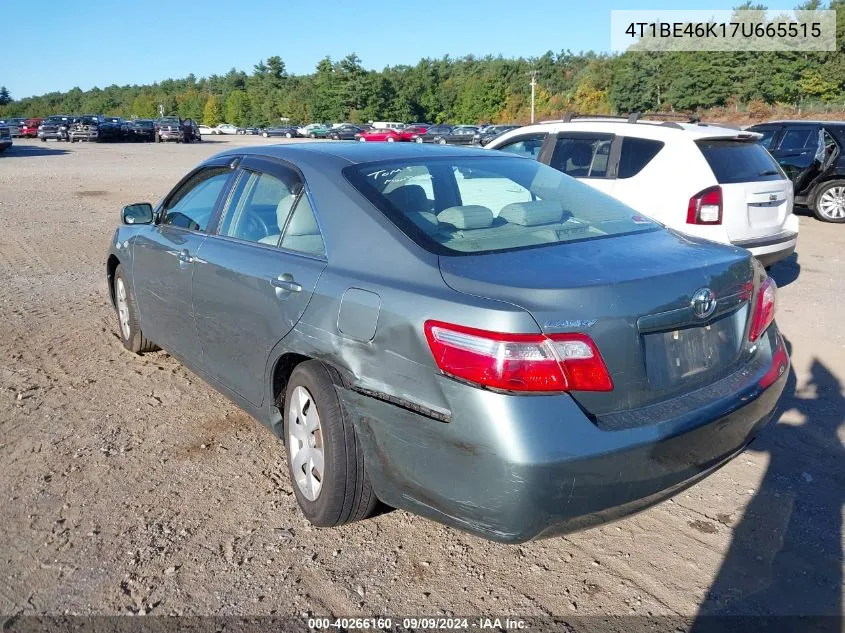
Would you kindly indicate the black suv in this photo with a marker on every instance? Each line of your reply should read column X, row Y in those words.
column 810, row 152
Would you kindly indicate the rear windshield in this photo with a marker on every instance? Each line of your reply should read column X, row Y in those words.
column 740, row 161
column 463, row 205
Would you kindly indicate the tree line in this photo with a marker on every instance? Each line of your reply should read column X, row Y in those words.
column 474, row 89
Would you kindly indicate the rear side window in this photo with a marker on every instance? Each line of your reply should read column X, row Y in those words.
column 768, row 135
column 636, row 154
column 582, row 156
column 740, row 161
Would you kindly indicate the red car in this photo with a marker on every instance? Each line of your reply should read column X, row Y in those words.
column 386, row 134
column 29, row 129
column 412, row 132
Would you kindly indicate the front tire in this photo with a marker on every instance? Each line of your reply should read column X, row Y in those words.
column 265, row 135
column 128, row 323
column 325, row 458
column 288, row 135
column 829, row 202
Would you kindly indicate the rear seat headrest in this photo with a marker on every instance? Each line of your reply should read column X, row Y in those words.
column 468, row 216
column 533, row 213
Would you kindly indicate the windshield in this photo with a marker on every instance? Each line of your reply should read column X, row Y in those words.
column 483, row 204
column 56, row 119
column 169, row 121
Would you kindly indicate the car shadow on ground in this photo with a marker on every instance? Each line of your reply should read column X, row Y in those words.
column 785, row 558
column 786, row 271
column 31, row 150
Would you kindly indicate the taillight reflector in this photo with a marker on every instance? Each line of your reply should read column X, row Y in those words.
column 705, row 207
column 764, row 309
column 518, row 362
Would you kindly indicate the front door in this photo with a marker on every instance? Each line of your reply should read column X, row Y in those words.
column 163, row 261
column 255, row 277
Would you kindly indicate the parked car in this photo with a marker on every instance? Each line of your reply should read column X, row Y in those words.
column 5, row 138
column 345, row 133
column 170, row 128
column 412, row 132
column 227, row 128
column 810, row 152
column 313, row 130
column 704, row 180
column 251, row 131
column 288, row 131
column 113, row 128
column 206, row 130
column 29, row 129
column 14, row 124
column 458, row 135
column 489, row 132
column 433, row 132
column 96, row 128
column 55, row 127
column 558, row 361
column 142, row 130
column 387, row 134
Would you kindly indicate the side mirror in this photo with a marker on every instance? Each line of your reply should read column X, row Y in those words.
column 139, row 213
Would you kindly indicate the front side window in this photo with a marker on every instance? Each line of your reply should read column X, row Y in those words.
column 799, row 138
column 582, row 156
column 483, row 204
column 259, row 206
column 193, row 203
column 529, row 146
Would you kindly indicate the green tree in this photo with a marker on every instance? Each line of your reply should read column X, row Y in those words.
column 5, row 98
column 237, row 108
column 212, row 113
column 144, row 106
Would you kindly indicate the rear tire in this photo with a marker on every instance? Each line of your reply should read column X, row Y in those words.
column 128, row 323
column 330, row 480
column 288, row 135
column 265, row 135
column 829, row 202
column 442, row 141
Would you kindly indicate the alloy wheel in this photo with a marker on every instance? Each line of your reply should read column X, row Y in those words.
column 831, row 203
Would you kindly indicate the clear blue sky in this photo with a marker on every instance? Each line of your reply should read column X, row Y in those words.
column 44, row 50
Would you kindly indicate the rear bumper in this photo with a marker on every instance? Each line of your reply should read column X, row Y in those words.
column 514, row 468
column 771, row 249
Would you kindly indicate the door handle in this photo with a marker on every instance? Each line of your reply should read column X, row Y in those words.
column 285, row 282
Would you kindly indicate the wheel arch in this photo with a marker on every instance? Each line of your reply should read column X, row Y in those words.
column 280, row 374
column 111, row 266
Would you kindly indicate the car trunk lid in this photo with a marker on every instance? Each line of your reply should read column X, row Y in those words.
column 633, row 296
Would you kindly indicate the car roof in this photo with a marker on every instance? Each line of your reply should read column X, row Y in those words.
column 660, row 130
column 799, row 122
column 354, row 153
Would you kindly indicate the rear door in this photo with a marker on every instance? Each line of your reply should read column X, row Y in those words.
column 756, row 195
column 592, row 157
column 796, row 151
column 256, row 273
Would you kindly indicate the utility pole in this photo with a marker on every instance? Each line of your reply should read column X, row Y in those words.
column 533, row 74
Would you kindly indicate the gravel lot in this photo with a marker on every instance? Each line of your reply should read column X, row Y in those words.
column 130, row 486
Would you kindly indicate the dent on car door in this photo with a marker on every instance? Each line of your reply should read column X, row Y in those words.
column 255, row 276
column 163, row 261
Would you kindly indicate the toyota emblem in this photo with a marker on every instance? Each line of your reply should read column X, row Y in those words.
column 703, row 302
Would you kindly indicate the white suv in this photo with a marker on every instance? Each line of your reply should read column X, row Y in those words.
column 701, row 179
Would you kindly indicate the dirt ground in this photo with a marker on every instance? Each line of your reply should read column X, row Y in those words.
column 127, row 485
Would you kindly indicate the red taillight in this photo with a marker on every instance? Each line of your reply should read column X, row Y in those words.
column 518, row 362
column 705, row 207
column 764, row 309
